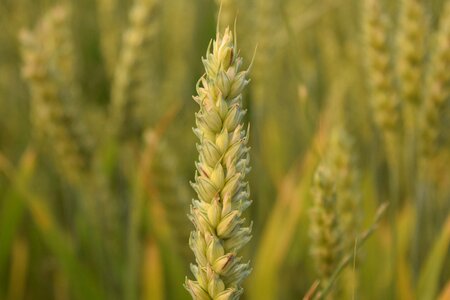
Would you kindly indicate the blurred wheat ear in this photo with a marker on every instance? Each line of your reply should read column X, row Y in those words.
column 324, row 231
column 131, row 72
column 437, row 90
column 47, row 53
column 342, row 160
column 169, row 189
column 383, row 97
column 410, row 54
column 411, row 34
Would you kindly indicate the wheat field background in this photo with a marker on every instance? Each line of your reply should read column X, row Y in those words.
column 347, row 115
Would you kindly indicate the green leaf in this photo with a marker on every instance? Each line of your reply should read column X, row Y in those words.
column 429, row 276
column 11, row 213
column 13, row 208
column 85, row 285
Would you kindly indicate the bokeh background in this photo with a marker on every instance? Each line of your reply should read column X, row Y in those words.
column 97, row 149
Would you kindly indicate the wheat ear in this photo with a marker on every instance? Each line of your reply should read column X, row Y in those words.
column 341, row 157
column 383, row 99
column 410, row 44
column 129, row 76
column 324, row 230
column 409, row 61
column 437, row 89
column 342, row 162
column 170, row 190
column 47, row 72
column 410, row 55
column 223, row 193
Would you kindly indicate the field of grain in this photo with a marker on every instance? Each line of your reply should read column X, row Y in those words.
column 224, row 149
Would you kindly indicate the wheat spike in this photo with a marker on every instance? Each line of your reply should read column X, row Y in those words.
column 223, row 193
column 383, row 99
column 130, row 73
column 437, row 90
column 172, row 192
column 342, row 162
column 409, row 62
column 48, row 71
column 324, row 232
column 410, row 44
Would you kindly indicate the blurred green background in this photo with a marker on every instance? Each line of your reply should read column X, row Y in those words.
column 97, row 149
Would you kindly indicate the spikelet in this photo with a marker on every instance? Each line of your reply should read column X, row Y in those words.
column 48, row 71
column 130, row 73
column 223, row 193
column 437, row 88
column 324, row 232
column 383, row 99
